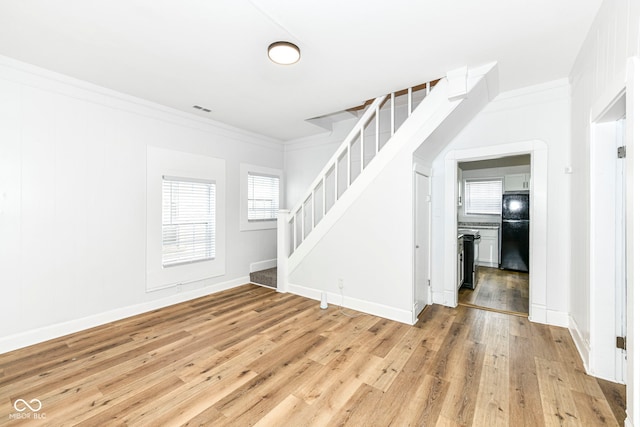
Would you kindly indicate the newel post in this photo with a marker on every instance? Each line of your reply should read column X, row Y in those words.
column 284, row 239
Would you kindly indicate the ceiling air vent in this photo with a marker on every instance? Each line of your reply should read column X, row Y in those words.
column 206, row 110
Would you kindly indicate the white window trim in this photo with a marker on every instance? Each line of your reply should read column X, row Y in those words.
column 245, row 169
column 161, row 162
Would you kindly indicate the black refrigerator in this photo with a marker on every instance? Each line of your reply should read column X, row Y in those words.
column 514, row 249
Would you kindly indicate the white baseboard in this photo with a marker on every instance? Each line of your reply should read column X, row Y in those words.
column 538, row 313
column 581, row 344
column 557, row 318
column 391, row 313
column 263, row 265
column 46, row 333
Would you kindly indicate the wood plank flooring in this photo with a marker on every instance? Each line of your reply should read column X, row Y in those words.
column 252, row 356
column 496, row 289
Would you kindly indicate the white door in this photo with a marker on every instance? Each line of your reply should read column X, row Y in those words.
column 421, row 294
column 608, row 241
column 621, row 254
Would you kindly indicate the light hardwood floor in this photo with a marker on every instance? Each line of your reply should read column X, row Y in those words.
column 497, row 289
column 252, row 356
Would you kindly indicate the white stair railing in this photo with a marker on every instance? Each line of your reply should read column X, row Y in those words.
column 379, row 122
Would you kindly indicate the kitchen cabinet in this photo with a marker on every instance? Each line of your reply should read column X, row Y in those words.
column 517, row 182
column 489, row 249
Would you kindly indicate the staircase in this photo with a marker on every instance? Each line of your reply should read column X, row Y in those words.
column 388, row 125
column 376, row 126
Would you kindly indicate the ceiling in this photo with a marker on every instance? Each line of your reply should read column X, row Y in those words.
column 499, row 162
column 212, row 53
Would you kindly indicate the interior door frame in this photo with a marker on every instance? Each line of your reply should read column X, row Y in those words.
column 538, row 221
column 633, row 239
column 604, row 360
column 420, row 171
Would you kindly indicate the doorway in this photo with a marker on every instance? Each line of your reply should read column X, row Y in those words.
column 501, row 252
column 538, row 151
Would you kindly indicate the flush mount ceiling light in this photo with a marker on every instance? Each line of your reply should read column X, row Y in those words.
column 283, row 53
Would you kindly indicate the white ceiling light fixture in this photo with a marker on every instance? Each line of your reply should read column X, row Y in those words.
column 283, row 53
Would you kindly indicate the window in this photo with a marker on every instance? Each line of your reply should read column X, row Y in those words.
column 260, row 197
column 188, row 220
column 263, row 197
column 483, row 197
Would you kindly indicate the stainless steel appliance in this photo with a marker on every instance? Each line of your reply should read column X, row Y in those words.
column 514, row 248
column 471, row 239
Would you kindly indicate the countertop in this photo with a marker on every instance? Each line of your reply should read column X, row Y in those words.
column 480, row 225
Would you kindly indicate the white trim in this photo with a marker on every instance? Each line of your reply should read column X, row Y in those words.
column 245, row 224
column 46, row 333
column 262, row 265
column 557, row 318
column 162, row 162
column 538, row 313
column 633, row 241
column 538, row 231
column 422, row 169
column 385, row 311
column 582, row 345
column 33, row 76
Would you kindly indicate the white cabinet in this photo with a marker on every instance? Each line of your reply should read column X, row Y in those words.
column 517, row 182
column 489, row 250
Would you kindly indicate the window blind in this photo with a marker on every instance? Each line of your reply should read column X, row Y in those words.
column 188, row 220
column 263, row 197
column 483, row 197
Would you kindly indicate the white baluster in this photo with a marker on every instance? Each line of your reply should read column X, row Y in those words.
column 313, row 210
column 335, row 181
column 324, row 195
column 393, row 113
column 409, row 101
column 302, row 236
column 348, row 165
column 361, row 148
column 377, row 129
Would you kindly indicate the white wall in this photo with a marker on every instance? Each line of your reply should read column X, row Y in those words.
column 72, row 201
column 304, row 159
column 371, row 245
column 535, row 113
column 598, row 75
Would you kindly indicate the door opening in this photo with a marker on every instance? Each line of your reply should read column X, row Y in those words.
column 493, row 206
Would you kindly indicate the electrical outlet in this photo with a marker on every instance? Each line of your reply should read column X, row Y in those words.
column 340, row 283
